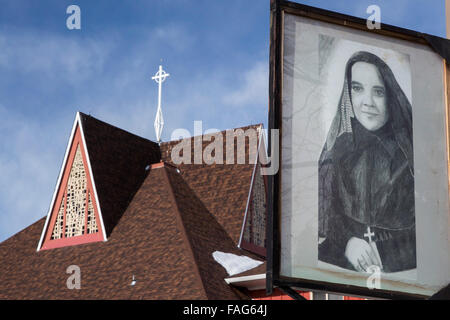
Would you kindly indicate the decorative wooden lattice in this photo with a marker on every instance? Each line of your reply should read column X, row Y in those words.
column 76, row 204
column 255, row 224
column 59, row 225
column 76, row 198
column 91, row 222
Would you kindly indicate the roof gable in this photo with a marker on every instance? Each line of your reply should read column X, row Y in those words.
column 74, row 216
column 253, row 235
column 115, row 162
column 118, row 160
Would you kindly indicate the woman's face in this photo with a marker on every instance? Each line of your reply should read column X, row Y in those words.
column 368, row 96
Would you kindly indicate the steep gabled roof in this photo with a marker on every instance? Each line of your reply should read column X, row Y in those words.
column 118, row 159
column 165, row 239
column 114, row 164
column 163, row 226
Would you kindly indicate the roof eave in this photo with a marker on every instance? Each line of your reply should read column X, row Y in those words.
column 253, row 282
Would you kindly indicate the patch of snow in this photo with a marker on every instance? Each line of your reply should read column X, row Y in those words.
column 235, row 264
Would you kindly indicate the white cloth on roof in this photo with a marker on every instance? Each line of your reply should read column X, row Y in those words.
column 235, row 264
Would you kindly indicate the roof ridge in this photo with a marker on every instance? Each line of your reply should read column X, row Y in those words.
column 170, row 141
column 115, row 127
column 183, row 230
column 208, row 134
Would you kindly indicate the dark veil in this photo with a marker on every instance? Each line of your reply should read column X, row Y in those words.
column 400, row 120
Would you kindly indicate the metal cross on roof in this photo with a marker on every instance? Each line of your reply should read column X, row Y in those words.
column 159, row 77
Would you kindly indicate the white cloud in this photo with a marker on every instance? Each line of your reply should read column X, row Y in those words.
column 174, row 36
column 53, row 56
column 253, row 87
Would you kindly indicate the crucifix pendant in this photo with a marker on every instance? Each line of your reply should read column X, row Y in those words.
column 373, row 245
column 369, row 234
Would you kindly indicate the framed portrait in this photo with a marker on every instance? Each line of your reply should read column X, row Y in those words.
column 361, row 202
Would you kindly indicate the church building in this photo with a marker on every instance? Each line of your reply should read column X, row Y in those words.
column 125, row 222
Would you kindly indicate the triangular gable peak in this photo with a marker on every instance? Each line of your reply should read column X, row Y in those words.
column 75, row 215
column 254, row 226
column 253, row 232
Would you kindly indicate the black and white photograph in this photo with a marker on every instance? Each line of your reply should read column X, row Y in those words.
column 366, row 171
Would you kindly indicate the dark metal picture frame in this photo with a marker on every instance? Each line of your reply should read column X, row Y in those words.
column 278, row 9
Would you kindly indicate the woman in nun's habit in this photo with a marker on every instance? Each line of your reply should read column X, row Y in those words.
column 366, row 174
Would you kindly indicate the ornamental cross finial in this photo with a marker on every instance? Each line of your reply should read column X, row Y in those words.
column 159, row 77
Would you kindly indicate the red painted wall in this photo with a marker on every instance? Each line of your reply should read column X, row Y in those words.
column 276, row 295
column 279, row 295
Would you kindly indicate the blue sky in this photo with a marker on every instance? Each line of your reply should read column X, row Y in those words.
column 215, row 50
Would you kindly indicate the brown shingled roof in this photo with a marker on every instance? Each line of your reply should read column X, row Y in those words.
column 224, row 189
column 162, row 226
column 165, row 238
column 118, row 159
